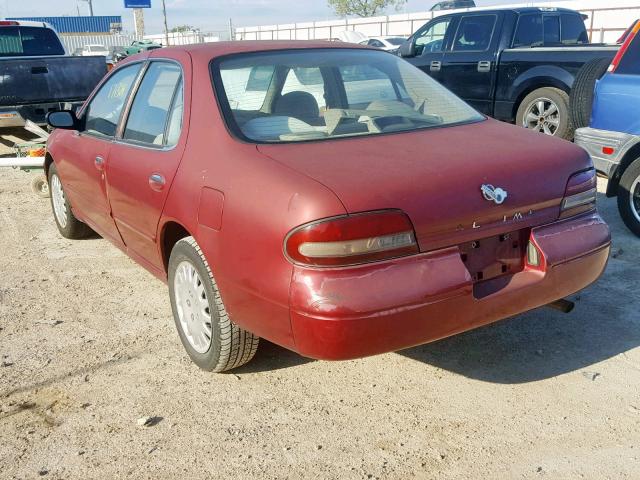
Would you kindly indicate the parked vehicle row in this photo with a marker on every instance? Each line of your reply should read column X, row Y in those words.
column 613, row 137
column 376, row 220
column 516, row 65
column 37, row 76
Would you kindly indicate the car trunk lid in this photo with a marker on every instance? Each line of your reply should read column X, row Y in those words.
column 436, row 175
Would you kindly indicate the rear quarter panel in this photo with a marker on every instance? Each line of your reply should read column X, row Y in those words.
column 262, row 201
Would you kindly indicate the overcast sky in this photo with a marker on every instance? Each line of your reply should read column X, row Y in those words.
column 207, row 15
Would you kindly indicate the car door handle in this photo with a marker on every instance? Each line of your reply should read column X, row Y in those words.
column 156, row 182
column 435, row 66
column 99, row 163
column 484, row 66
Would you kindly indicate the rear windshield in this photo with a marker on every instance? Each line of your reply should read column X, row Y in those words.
column 289, row 96
column 29, row 41
column 630, row 62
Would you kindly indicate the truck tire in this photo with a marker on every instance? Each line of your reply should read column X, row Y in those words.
column 581, row 97
column 68, row 225
column 212, row 341
column 629, row 197
column 546, row 110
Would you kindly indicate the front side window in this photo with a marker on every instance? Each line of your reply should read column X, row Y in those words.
column 431, row 40
column 150, row 108
column 474, row 33
column 29, row 41
column 337, row 93
column 103, row 113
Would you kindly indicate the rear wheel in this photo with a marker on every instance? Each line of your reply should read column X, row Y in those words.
column 629, row 197
column 68, row 225
column 212, row 341
column 581, row 98
column 546, row 110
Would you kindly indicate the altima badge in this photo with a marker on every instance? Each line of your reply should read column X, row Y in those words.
column 494, row 194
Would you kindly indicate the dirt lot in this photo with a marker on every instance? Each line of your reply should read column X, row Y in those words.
column 88, row 347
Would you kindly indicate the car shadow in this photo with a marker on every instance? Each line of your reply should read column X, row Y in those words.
column 272, row 357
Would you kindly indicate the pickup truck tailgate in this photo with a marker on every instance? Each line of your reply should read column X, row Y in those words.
column 48, row 79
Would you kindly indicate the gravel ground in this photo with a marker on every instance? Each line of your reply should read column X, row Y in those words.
column 88, row 347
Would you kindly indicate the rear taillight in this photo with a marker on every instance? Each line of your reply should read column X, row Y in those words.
column 352, row 239
column 7, row 23
column 580, row 194
column 625, row 46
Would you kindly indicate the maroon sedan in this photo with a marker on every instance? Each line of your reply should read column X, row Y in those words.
column 332, row 199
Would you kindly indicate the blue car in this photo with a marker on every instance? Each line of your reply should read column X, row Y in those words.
column 613, row 136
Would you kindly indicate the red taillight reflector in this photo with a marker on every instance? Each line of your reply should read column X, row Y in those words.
column 5, row 23
column 608, row 150
column 352, row 239
column 624, row 47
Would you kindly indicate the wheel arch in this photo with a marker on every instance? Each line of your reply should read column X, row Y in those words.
column 535, row 84
column 48, row 160
column 630, row 156
column 171, row 232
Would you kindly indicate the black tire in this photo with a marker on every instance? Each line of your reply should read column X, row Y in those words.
column 229, row 346
column 581, row 98
column 69, row 227
column 629, row 197
column 564, row 128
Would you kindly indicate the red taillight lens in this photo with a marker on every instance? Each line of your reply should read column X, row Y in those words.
column 6, row 23
column 580, row 194
column 352, row 239
column 616, row 60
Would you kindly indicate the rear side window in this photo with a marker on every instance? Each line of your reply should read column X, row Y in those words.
column 29, row 41
column 630, row 62
column 474, row 33
column 150, row 108
column 573, row 29
column 529, row 32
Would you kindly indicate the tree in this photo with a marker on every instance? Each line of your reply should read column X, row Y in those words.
column 363, row 8
column 182, row 28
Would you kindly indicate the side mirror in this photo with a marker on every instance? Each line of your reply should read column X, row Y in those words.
column 407, row 49
column 65, row 119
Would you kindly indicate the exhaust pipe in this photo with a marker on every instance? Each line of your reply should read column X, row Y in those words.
column 563, row 305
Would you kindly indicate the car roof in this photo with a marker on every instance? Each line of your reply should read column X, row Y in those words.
column 25, row 23
column 518, row 10
column 219, row 49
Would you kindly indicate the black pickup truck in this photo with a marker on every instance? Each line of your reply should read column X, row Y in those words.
column 37, row 77
column 517, row 65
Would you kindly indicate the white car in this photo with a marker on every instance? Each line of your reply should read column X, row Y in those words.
column 94, row 50
column 384, row 43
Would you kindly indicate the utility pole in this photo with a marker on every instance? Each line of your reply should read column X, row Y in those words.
column 231, row 30
column 90, row 2
column 166, row 29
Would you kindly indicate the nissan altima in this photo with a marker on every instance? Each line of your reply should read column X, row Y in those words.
column 330, row 198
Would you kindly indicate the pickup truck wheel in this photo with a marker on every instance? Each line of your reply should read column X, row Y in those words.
column 212, row 341
column 581, row 98
column 629, row 197
column 546, row 110
column 68, row 225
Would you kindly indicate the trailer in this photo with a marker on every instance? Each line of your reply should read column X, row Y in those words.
column 29, row 156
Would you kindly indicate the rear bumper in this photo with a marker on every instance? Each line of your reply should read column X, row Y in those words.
column 359, row 311
column 593, row 141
